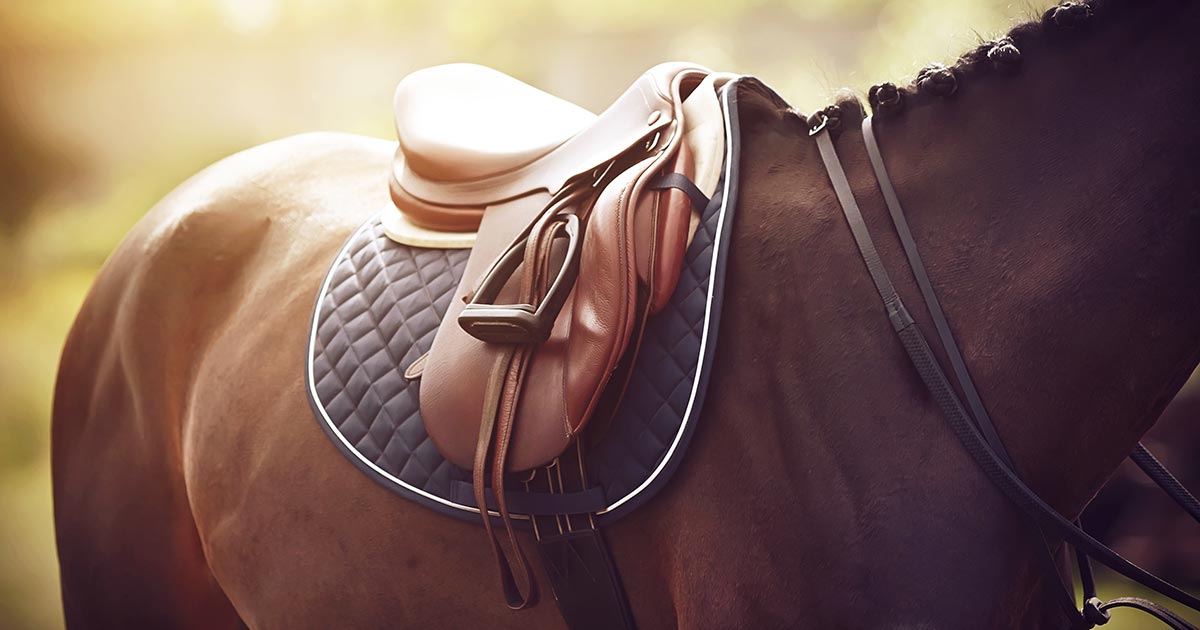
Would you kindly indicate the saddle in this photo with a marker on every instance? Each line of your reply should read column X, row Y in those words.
column 580, row 225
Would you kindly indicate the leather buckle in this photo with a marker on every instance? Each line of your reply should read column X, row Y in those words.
column 522, row 323
column 1094, row 612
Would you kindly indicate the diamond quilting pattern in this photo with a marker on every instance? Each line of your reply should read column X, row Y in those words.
column 378, row 314
column 379, row 311
column 651, row 415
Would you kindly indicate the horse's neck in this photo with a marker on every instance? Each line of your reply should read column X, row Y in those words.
column 1056, row 215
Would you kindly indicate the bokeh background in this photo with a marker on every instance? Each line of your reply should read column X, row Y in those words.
column 105, row 105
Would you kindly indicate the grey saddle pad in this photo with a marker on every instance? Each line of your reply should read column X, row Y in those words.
column 379, row 308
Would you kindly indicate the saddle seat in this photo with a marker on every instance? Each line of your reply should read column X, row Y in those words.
column 464, row 121
column 473, row 137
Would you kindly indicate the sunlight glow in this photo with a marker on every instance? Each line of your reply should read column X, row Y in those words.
column 249, row 16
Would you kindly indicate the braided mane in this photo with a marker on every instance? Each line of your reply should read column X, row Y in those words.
column 1060, row 24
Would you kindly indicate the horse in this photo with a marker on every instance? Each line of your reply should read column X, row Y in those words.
column 1050, row 180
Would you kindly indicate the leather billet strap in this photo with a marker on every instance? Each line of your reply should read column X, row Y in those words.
column 996, row 466
column 590, row 500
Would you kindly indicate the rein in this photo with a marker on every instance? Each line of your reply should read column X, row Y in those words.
column 975, row 429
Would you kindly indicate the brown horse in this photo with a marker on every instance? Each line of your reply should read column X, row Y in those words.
column 1058, row 210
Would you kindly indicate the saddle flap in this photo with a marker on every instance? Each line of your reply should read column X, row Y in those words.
column 568, row 371
column 634, row 237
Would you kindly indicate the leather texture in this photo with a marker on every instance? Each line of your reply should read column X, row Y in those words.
column 441, row 203
column 553, row 387
column 378, row 311
column 584, row 580
column 464, row 121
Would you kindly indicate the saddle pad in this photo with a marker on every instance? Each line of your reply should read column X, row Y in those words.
column 380, row 306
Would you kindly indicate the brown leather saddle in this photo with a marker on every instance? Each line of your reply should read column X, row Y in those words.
column 582, row 223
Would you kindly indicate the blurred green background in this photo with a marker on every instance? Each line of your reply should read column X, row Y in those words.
column 105, row 105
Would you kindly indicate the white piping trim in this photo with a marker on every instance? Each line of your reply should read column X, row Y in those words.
column 320, row 405
column 712, row 278
column 687, row 415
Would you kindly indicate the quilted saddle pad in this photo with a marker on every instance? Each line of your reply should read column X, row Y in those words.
column 379, row 308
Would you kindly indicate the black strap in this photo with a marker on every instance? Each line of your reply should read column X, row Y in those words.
column 1163, row 614
column 1165, row 480
column 1061, row 584
column 586, row 501
column 583, row 577
column 949, row 343
column 681, row 182
column 1141, row 456
column 923, row 359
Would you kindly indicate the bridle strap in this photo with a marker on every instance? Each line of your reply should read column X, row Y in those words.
column 995, row 466
column 917, row 266
column 1163, row 614
column 1165, row 480
column 1140, row 455
column 1064, row 593
column 904, row 326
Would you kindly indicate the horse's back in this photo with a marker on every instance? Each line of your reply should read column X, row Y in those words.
column 230, row 260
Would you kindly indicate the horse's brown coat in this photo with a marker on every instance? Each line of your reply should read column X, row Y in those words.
column 1057, row 216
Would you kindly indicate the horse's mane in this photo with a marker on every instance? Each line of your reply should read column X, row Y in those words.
column 1000, row 56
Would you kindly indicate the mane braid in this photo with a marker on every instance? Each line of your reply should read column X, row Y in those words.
column 1061, row 23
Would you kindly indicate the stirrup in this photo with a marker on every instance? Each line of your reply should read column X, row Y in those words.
column 522, row 323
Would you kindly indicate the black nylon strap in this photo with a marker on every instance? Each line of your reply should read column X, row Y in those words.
column 587, row 501
column 681, row 182
column 992, row 464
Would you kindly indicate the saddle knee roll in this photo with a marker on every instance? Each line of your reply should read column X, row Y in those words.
column 569, row 372
column 634, row 239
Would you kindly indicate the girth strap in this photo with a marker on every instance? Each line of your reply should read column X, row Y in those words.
column 997, row 469
column 578, row 566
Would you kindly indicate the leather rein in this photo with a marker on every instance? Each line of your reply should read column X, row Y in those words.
column 974, row 428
